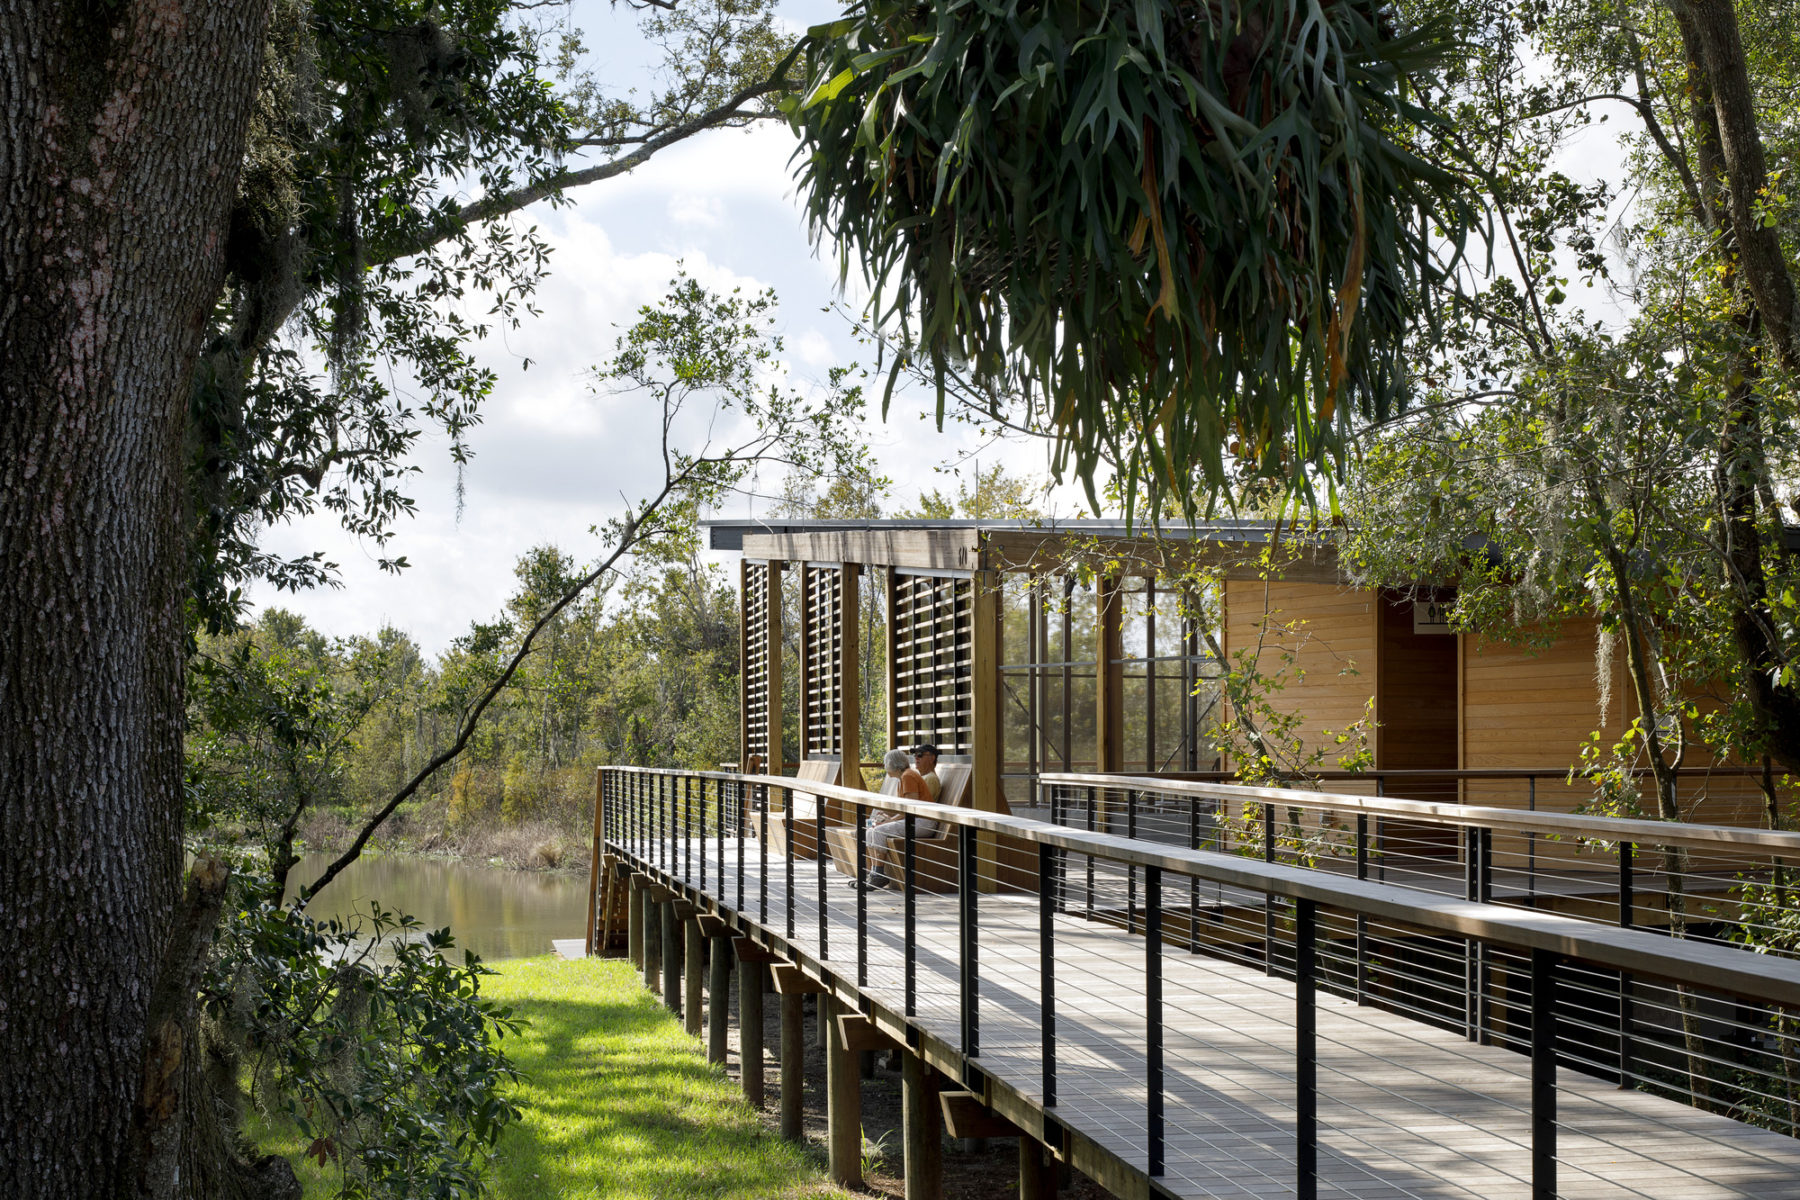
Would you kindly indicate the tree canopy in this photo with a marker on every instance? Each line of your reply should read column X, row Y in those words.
column 1171, row 233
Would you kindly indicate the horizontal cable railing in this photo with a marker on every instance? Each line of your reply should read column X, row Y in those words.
column 1199, row 1010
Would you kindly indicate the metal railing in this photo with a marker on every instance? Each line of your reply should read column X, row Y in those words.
column 1018, row 948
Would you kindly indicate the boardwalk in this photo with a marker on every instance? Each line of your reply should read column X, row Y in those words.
column 1405, row 1109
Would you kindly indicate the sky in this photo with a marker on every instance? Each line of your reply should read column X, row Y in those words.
column 551, row 458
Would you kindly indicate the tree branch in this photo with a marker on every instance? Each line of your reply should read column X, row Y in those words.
column 489, row 207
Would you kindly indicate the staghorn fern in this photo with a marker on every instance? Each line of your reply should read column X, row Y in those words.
column 1175, row 232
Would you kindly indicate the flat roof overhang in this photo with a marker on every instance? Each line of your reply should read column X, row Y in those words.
column 1046, row 545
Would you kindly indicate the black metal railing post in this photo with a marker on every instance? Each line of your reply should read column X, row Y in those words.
column 1627, row 906
column 862, row 898
column 1268, row 853
column 822, row 859
column 1306, row 1050
column 700, row 829
column 969, row 941
column 1531, row 839
column 1131, row 814
column 910, row 902
column 1362, row 919
column 1093, row 804
column 741, row 801
column 791, row 828
column 1543, row 1075
column 1472, row 948
column 1193, row 880
column 687, row 828
column 1153, row 1019
column 1047, row 967
column 762, row 850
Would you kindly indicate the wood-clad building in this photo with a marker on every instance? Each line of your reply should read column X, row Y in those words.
column 1032, row 647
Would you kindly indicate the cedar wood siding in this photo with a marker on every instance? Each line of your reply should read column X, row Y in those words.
column 1333, row 643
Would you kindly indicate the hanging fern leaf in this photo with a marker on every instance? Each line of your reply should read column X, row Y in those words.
column 1176, row 230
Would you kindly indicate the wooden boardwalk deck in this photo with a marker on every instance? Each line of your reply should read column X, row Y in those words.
column 1405, row 1109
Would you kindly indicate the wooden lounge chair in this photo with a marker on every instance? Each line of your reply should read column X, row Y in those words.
column 775, row 826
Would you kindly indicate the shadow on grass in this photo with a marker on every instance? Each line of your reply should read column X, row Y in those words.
column 619, row 1102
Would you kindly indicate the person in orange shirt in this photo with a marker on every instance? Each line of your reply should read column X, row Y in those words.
column 885, row 828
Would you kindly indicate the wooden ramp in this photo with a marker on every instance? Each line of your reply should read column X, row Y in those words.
column 1405, row 1109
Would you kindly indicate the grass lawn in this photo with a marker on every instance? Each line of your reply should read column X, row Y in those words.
column 619, row 1102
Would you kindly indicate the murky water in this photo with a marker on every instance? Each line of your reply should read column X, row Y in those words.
column 495, row 912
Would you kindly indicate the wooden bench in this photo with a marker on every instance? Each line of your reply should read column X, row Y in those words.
column 775, row 826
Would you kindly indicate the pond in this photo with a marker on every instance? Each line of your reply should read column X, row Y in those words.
column 497, row 913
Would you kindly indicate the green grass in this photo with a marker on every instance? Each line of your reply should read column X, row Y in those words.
column 619, row 1102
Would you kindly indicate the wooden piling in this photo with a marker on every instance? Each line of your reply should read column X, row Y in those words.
column 671, row 957
column 694, row 974
column 653, row 943
column 843, row 1101
column 923, row 1129
column 718, row 1002
column 1037, row 1171
column 752, row 978
column 793, row 1066
column 634, row 921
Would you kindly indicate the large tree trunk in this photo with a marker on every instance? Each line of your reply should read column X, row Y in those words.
column 122, row 126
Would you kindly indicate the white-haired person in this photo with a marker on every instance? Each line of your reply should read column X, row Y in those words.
column 885, row 828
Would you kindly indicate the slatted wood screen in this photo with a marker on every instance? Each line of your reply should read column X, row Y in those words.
column 933, row 662
column 755, row 651
column 822, row 672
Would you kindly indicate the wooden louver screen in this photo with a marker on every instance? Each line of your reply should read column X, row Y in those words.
column 756, row 697
column 822, row 681
column 933, row 663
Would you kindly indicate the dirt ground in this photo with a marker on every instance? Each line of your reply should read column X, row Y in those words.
column 973, row 1170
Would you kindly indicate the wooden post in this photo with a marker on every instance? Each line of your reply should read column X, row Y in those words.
column 808, row 578
column 597, row 909
column 793, row 1066
column 718, row 998
column 891, row 601
column 1037, row 1171
column 984, row 778
column 752, row 983
column 653, row 942
column 634, row 921
column 693, row 976
column 1109, row 684
column 843, row 1102
column 671, row 957
column 850, row 673
column 745, row 749
column 923, row 1129
column 773, row 749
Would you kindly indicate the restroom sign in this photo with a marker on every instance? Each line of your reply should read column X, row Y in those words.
column 1431, row 616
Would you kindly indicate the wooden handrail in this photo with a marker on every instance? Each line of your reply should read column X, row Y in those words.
column 1752, row 976
column 1599, row 829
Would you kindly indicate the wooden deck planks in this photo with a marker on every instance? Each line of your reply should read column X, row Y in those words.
column 1405, row 1109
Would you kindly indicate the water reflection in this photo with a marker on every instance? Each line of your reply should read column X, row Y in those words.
column 495, row 912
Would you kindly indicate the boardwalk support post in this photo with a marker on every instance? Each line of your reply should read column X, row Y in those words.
column 653, row 942
column 634, row 921
column 694, row 972
column 718, row 988
column 923, row 1129
column 671, row 957
column 843, row 1101
column 793, row 1065
column 753, row 977
column 1037, row 1171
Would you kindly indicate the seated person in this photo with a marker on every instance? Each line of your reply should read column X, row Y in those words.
column 885, row 828
column 925, row 756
